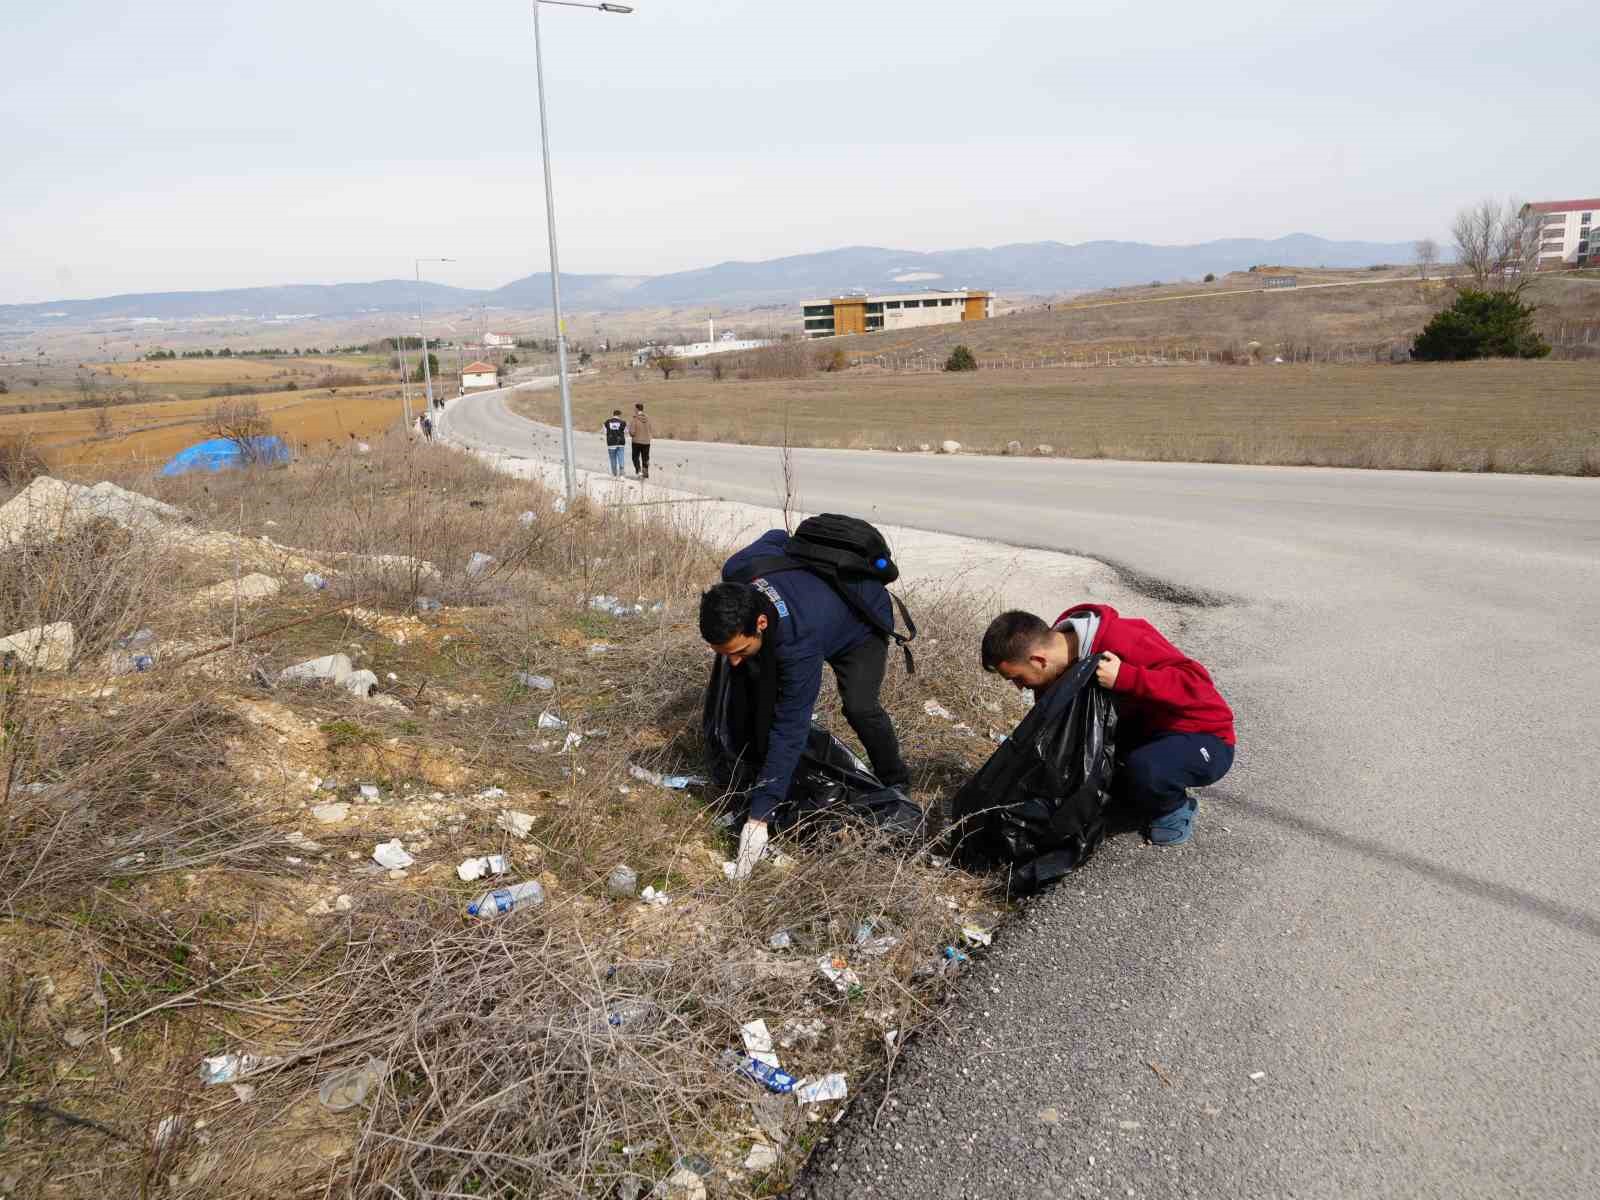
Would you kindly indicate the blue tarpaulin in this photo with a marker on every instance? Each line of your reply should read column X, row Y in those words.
column 220, row 454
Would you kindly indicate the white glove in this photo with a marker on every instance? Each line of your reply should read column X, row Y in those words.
column 752, row 844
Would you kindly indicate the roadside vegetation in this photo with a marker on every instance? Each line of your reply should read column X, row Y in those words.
column 187, row 841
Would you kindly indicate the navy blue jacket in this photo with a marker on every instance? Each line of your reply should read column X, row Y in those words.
column 817, row 626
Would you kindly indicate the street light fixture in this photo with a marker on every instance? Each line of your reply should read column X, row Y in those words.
column 568, row 447
column 427, row 374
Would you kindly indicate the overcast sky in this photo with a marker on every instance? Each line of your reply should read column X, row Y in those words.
column 161, row 147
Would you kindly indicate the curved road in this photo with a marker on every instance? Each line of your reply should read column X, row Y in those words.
column 1376, row 972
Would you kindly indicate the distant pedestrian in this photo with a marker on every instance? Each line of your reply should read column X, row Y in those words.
column 639, row 429
column 427, row 427
column 616, row 440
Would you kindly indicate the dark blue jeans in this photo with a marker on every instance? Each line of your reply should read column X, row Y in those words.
column 1154, row 777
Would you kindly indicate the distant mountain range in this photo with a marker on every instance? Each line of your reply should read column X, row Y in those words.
column 1029, row 268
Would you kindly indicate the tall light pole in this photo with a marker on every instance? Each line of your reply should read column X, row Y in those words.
column 568, row 447
column 405, row 384
column 427, row 374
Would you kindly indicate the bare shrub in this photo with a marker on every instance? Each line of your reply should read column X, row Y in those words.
column 795, row 359
column 244, row 424
column 21, row 461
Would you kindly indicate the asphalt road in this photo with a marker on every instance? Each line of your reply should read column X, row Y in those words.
column 1376, row 971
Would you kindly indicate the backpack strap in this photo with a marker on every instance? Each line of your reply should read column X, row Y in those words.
column 830, row 576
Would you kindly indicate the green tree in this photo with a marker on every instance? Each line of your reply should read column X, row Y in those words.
column 1481, row 324
column 961, row 360
column 433, row 368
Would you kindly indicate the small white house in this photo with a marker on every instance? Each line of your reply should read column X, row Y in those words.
column 479, row 375
column 499, row 341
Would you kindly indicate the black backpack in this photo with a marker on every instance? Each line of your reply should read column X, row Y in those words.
column 840, row 550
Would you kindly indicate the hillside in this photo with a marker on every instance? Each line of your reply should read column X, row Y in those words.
column 1031, row 268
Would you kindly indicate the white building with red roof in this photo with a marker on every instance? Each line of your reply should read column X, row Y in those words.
column 1566, row 229
column 478, row 375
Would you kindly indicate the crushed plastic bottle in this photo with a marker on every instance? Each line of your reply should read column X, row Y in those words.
column 143, row 662
column 631, row 1016
column 774, row 1079
column 537, row 683
column 528, row 894
column 314, row 581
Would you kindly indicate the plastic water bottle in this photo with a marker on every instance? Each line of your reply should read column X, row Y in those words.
column 502, row 900
column 774, row 1079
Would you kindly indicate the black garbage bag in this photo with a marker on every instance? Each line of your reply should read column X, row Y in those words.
column 830, row 782
column 1038, row 806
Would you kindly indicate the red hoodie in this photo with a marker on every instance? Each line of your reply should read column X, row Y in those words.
column 1159, row 689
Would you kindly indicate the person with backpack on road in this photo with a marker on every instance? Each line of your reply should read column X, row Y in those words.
column 1174, row 729
column 639, row 430
column 616, row 440
column 781, row 614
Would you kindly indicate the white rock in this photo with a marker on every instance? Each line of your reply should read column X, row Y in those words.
column 49, row 508
column 360, row 683
column 254, row 586
column 1044, row 449
column 762, row 1157
column 1013, row 447
column 343, row 903
column 331, row 814
column 949, row 446
column 44, row 648
column 335, row 667
column 517, row 824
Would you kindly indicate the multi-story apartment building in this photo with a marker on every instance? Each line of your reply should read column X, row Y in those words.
column 867, row 314
column 1566, row 229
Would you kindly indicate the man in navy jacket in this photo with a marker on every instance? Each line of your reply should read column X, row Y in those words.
column 785, row 627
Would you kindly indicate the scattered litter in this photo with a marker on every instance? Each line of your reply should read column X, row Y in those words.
column 526, row 519
column 631, row 1016
column 336, row 667
column 762, row 1157
column 427, row 604
column 572, row 742
column 976, row 935
column 781, row 940
column 169, row 1130
column 139, row 637
column 315, row 582
column 537, row 683
column 228, row 1068
column 492, row 793
column 548, row 720
column 476, row 868
column 879, row 946
column 517, row 824
column 244, row 1092
column 559, row 504
column 793, row 1032
column 392, row 854
column 730, row 869
column 837, row 971
column 1257, row 1076
column 528, row 894
column 343, row 903
column 934, row 709
column 829, row 1087
column 598, row 648
column 682, row 1184
column 479, row 563
column 964, row 728
column 623, row 881
column 758, row 1042
column 612, row 605
column 349, row 1088
column 676, row 783
column 370, row 791
column 651, row 896
column 331, row 814
column 774, row 1079
column 143, row 662
column 363, row 448
column 129, row 860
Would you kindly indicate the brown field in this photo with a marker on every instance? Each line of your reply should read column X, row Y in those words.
column 1502, row 416
column 138, row 412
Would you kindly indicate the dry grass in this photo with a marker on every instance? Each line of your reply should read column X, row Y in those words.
column 1501, row 416
column 164, row 888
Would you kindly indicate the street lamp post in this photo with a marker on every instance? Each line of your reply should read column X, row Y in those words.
column 427, row 374
column 568, row 447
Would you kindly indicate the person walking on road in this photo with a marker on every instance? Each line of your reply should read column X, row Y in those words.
column 616, row 440
column 1174, row 729
column 427, row 427
column 639, row 430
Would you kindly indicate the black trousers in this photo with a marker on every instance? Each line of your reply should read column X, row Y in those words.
column 641, row 458
column 859, row 671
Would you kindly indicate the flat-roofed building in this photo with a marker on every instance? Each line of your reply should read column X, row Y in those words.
column 868, row 314
column 1565, row 232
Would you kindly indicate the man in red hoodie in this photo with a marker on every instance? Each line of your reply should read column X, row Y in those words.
column 1174, row 731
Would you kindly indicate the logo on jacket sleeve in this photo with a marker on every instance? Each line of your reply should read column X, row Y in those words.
column 771, row 593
